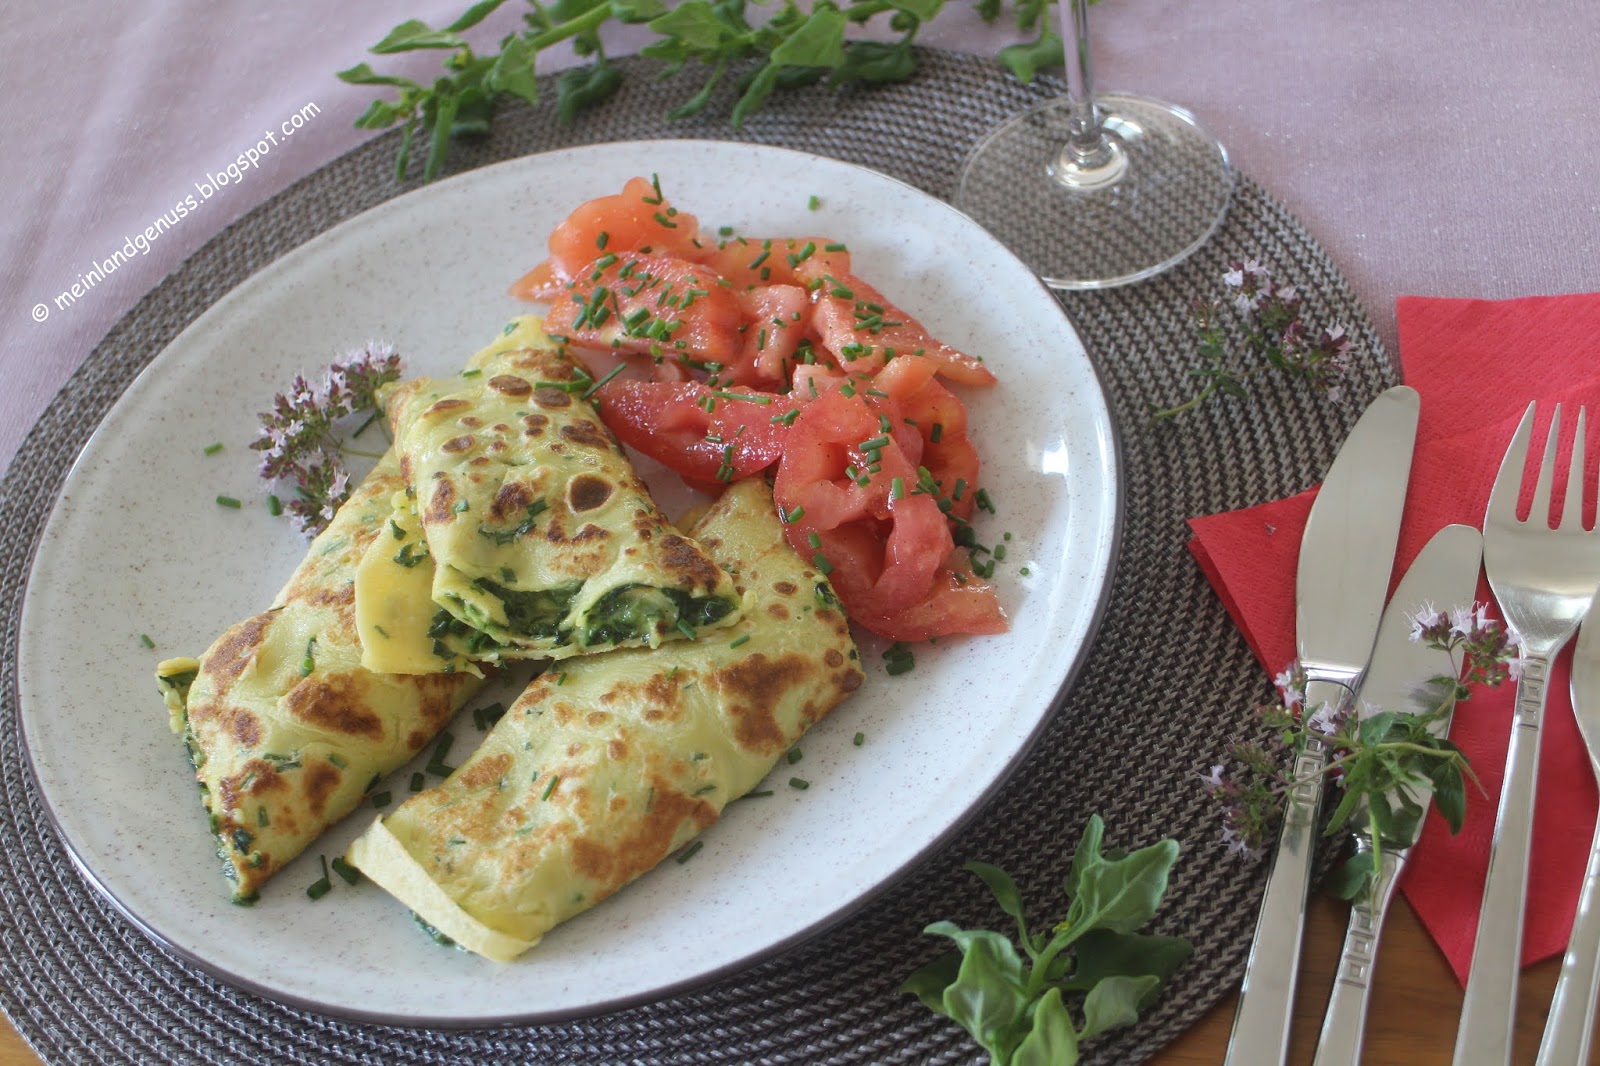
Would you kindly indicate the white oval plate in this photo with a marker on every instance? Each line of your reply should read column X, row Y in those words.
column 137, row 545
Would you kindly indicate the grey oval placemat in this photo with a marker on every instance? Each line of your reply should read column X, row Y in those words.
column 1168, row 682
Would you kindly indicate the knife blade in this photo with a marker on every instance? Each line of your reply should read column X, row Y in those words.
column 1346, row 558
column 1444, row 574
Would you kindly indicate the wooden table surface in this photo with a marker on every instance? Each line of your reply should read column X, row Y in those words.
column 1413, row 1021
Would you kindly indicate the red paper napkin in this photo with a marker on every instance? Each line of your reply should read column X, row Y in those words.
column 1476, row 364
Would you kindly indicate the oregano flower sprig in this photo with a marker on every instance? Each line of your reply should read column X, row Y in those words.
column 300, row 443
column 1377, row 756
column 1276, row 339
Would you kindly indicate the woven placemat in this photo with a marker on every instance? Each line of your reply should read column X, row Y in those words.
column 1168, row 680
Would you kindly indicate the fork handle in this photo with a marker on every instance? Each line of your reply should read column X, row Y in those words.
column 1344, row 1025
column 1488, row 1014
column 1569, row 1030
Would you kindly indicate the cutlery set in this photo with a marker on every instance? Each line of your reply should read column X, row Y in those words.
column 1354, row 652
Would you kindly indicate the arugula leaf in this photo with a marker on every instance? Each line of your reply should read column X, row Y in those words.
column 414, row 34
column 800, row 43
column 1014, row 1006
column 1026, row 60
column 1052, row 1041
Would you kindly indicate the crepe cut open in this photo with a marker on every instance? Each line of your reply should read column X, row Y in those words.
column 608, row 763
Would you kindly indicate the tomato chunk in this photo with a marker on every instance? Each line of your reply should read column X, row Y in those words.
column 775, row 321
column 748, row 262
column 953, row 605
column 653, row 305
column 694, row 430
column 637, row 218
column 863, row 331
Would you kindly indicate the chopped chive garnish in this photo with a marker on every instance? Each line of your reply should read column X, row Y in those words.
column 471, row 373
column 229, row 501
column 794, row 755
column 1000, row 552
column 418, row 782
column 382, row 799
column 323, row 886
column 745, row 639
column 936, row 432
column 1025, row 571
column 350, row 874
column 436, row 764
column 144, row 638
column 597, row 385
column 813, row 203
column 984, row 502
column 725, row 231
column 262, row 818
column 757, row 795
column 555, row 779
column 213, row 449
column 703, row 789
column 602, row 240
column 897, row 488
column 897, row 659
column 815, row 540
column 799, row 783
column 691, row 851
column 274, row 506
column 309, row 663
column 835, row 247
column 859, row 739
column 795, row 515
column 820, row 561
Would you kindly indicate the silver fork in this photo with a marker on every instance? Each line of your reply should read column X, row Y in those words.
column 1569, row 1030
column 1543, row 580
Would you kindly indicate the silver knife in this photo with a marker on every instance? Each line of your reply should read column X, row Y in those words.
column 1346, row 557
column 1444, row 574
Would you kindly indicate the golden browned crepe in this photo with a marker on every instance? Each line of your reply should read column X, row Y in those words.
column 286, row 730
column 608, row 763
column 542, row 541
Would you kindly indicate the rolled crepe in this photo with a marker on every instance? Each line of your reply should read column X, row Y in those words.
column 543, row 541
column 286, row 730
column 607, row 764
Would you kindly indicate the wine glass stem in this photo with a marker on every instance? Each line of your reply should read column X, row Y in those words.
column 1089, row 159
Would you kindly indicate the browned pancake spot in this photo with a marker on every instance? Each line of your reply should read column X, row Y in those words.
column 849, row 681
column 441, row 504
column 785, row 588
column 534, row 424
column 755, row 685
column 512, row 499
column 320, row 781
column 246, row 730
column 444, row 406
column 777, row 610
column 611, row 867
column 459, row 444
column 510, row 385
column 335, row 702
column 617, row 749
column 547, row 396
column 236, row 649
column 586, row 433
column 833, row 658
column 597, row 718
column 588, row 492
column 486, row 771
column 683, row 559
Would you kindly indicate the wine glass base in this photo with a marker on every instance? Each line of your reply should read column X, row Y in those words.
column 1170, row 198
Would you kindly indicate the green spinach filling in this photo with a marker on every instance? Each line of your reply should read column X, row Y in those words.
column 632, row 612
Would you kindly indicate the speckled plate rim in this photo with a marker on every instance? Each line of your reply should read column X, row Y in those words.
column 1106, row 535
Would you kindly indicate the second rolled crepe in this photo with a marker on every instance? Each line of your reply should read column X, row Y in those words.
column 543, row 541
column 287, row 731
column 608, row 763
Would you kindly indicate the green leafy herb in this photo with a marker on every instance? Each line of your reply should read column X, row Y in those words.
column 1013, row 1003
column 322, row 886
column 1380, row 756
column 898, row 659
column 796, row 44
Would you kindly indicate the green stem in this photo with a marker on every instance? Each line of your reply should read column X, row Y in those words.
column 594, row 18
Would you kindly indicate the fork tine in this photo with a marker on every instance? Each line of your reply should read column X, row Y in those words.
column 1572, row 509
column 1508, row 482
column 1539, row 510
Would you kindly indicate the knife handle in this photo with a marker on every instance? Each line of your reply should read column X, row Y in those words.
column 1489, row 1012
column 1261, row 1024
column 1570, row 1029
column 1344, row 1025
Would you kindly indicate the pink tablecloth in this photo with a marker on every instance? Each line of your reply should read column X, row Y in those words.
column 1432, row 148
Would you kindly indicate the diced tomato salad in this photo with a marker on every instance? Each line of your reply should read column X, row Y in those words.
column 743, row 357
